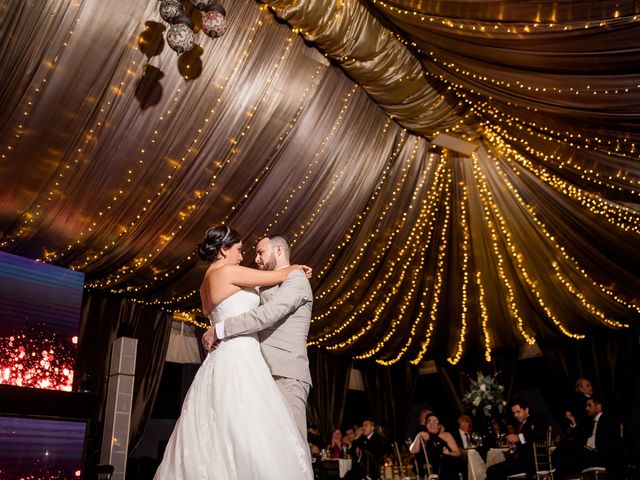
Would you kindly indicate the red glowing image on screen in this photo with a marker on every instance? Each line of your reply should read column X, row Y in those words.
column 39, row 316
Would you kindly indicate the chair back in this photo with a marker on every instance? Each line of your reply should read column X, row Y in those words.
column 430, row 475
column 542, row 450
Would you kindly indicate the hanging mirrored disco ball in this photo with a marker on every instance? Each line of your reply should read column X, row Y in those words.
column 214, row 24
column 204, row 5
column 170, row 10
column 180, row 38
column 184, row 20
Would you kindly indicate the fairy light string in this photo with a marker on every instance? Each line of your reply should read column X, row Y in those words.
column 464, row 301
column 190, row 295
column 518, row 257
column 587, row 305
column 377, row 257
column 509, row 296
column 313, row 164
column 32, row 214
column 333, row 185
column 164, row 240
column 358, row 224
column 622, row 217
column 241, row 200
column 441, row 265
column 418, row 240
column 561, row 252
column 485, row 318
column 390, row 268
column 597, row 179
column 434, row 292
column 404, row 261
column 537, row 25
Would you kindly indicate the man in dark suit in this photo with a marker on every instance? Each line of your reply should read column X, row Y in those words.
column 604, row 446
column 368, row 451
column 462, row 435
column 528, row 431
column 567, row 457
column 579, row 423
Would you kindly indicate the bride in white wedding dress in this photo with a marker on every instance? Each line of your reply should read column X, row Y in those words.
column 234, row 422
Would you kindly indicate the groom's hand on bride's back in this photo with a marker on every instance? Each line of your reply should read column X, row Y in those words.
column 209, row 340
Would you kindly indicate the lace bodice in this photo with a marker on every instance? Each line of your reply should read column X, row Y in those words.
column 238, row 303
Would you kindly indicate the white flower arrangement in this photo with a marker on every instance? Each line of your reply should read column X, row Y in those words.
column 485, row 395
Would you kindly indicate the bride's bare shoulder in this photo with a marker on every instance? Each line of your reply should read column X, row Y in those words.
column 213, row 270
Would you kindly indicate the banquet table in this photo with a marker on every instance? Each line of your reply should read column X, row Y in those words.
column 476, row 467
column 339, row 466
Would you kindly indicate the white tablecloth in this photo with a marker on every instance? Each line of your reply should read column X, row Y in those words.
column 476, row 467
column 344, row 465
column 495, row 455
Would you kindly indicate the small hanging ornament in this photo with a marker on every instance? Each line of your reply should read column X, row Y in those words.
column 180, row 38
column 204, row 5
column 218, row 8
column 170, row 10
column 214, row 22
column 184, row 20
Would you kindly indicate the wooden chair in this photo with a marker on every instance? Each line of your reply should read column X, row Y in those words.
column 593, row 472
column 430, row 475
column 542, row 456
column 542, row 460
column 599, row 472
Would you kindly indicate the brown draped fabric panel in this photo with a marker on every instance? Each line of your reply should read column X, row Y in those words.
column 610, row 362
column 325, row 406
column 385, row 67
column 104, row 318
column 390, row 393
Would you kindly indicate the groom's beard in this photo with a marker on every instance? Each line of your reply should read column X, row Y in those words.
column 269, row 264
column 265, row 266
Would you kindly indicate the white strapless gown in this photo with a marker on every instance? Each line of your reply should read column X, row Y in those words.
column 235, row 423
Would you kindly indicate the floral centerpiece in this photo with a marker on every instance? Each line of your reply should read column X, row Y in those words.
column 485, row 395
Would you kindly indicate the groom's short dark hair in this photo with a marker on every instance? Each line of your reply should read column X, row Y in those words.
column 281, row 240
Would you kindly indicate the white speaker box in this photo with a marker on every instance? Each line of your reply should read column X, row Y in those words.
column 117, row 418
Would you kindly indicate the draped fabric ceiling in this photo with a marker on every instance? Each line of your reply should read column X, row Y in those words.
column 315, row 118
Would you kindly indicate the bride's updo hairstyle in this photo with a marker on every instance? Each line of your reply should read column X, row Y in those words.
column 214, row 239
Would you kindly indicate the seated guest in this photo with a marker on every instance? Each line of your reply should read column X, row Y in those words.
column 421, row 426
column 465, row 439
column 442, row 452
column 334, row 449
column 579, row 424
column 347, row 440
column 367, row 451
column 520, row 458
column 462, row 436
column 497, row 432
column 568, row 454
column 313, row 438
column 603, row 447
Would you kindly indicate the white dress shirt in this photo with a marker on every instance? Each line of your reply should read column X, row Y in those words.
column 466, row 439
column 591, row 441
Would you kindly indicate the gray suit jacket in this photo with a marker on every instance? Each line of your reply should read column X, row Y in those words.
column 282, row 322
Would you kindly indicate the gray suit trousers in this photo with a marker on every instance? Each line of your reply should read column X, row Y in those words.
column 295, row 393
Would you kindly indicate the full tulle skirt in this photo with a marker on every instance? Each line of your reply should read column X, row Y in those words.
column 235, row 423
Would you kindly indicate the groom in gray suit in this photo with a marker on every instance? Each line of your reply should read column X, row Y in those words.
column 282, row 322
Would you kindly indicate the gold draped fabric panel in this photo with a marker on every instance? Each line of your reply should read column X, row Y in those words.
column 116, row 154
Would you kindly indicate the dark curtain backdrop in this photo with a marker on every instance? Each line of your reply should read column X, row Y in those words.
column 612, row 363
column 326, row 402
column 105, row 318
column 390, row 393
